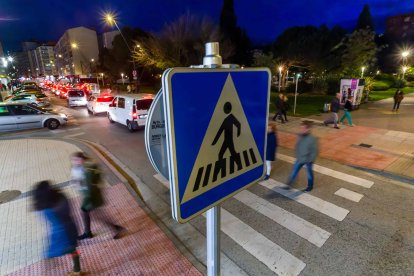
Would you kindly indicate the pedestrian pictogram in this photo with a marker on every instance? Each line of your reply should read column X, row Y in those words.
column 228, row 149
column 216, row 123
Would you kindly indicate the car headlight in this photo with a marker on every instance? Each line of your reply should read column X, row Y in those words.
column 63, row 115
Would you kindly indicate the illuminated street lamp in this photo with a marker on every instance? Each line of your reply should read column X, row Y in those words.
column 362, row 71
column 74, row 45
column 103, row 82
column 122, row 76
column 280, row 76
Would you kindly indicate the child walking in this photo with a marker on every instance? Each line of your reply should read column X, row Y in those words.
column 271, row 148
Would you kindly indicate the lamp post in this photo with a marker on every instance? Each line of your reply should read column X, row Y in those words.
column 110, row 20
column 280, row 76
column 103, row 81
column 404, row 55
column 296, row 93
column 362, row 71
column 122, row 76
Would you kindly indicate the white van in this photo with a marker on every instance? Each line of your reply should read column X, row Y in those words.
column 76, row 98
column 130, row 110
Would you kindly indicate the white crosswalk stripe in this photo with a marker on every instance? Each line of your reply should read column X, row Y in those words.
column 351, row 195
column 272, row 255
column 338, row 175
column 308, row 200
column 297, row 225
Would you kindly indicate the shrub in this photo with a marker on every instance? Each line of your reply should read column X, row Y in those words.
column 399, row 84
column 381, row 85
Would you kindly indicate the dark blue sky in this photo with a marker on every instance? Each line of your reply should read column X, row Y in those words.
column 263, row 19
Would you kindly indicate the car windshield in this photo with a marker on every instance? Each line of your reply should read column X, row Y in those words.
column 76, row 93
column 144, row 104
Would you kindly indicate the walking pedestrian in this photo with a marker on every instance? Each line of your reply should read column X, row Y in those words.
column 335, row 105
column 279, row 109
column 286, row 107
column 306, row 150
column 398, row 97
column 347, row 112
column 271, row 148
column 86, row 176
column 55, row 207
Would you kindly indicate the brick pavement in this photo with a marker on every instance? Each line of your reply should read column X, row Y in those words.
column 144, row 250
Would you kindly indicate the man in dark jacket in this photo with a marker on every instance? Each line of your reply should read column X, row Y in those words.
column 280, row 108
column 306, row 150
column 83, row 175
column 335, row 105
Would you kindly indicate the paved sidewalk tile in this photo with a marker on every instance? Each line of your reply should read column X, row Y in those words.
column 144, row 250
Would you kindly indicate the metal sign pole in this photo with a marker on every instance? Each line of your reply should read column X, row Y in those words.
column 213, row 59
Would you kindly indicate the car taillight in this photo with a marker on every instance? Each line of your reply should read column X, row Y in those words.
column 134, row 112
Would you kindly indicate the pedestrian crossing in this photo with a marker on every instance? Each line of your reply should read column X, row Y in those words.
column 277, row 258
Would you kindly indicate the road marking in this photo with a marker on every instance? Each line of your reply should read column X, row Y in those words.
column 297, row 225
column 163, row 180
column 74, row 135
column 339, row 175
column 349, row 195
column 272, row 255
column 308, row 200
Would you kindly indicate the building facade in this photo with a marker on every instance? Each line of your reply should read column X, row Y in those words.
column 401, row 27
column 77, row 52
column 107, row 38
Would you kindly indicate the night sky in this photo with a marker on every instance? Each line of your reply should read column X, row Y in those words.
column 263, row 19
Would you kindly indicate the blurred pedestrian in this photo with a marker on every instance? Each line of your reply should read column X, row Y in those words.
column 271, row 148
column 306, row 151
column 347, row 112
column 279, row 109
column 335, row 105
column 398, row 97
column 286, row 107
column 86, row 175
column 55, row 207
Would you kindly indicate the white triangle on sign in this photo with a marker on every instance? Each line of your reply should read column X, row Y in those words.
column 228, row 149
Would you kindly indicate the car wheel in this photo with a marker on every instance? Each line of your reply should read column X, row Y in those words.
column 130, row 127
column 109, row 118
column 52, row 124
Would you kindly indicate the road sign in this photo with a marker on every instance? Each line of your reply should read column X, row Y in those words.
column 216, row 123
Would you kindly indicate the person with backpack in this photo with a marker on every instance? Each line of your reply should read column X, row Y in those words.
column 54, row 205
column 85, row 174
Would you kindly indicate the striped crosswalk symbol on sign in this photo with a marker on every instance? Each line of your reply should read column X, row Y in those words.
column 228, row 148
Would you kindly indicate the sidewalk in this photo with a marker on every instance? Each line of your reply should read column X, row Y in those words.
column 389, row 149
column 144, row 250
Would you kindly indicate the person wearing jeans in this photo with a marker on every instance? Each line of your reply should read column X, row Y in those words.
column 306, row 150
column 335, row 105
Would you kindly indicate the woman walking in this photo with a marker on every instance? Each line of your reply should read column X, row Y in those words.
column 55, row 207
column 347, row 112
column 271, row 148
column 398, row 97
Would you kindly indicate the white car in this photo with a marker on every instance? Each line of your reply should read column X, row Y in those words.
column 98, row 104
column 130, row 110
column 16, row 116
column 76, row 98
column 33, row 99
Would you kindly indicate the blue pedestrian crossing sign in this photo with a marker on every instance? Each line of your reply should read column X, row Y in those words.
column 216, row 124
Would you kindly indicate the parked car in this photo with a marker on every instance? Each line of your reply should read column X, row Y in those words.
column 15, row 116
column 130, row 110
column 98, row 104
column 34, row 99
column 76, row 98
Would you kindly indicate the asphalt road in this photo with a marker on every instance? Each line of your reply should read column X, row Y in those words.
column 267, row 230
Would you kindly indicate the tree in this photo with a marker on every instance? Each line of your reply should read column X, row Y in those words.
column 237, row 36
column 360, row 51
column 365, row 19
column 180, row 43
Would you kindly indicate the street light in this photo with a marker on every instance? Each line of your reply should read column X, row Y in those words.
column 296, row 93
column 103, row 81
column 110, row 19
column 362, row 71
column 280, row 76
column 74, row 45
column 122, row 76
column 404, row 69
